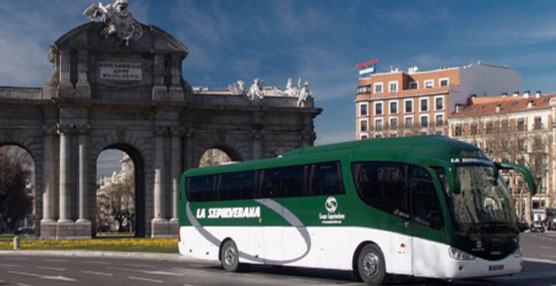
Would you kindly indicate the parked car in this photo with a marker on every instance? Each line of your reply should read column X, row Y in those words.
column 522, row 226
column 24, row 230
column 537, row 227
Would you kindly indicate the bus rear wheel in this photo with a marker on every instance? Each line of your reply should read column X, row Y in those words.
column 370, row 265
column 229, row 256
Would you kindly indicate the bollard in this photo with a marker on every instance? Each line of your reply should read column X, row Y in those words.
column 16, row 243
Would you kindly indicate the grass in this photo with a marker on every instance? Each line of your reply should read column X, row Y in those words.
column 160, row 245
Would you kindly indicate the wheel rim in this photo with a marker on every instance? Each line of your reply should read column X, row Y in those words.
column 370, row 264
column 230, row 256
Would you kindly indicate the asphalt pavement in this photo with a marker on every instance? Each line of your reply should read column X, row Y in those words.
column 34, row 268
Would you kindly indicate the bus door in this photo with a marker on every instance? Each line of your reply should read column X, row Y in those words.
column 428, row 223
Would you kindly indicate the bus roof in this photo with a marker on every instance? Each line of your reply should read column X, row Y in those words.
column 418, row 148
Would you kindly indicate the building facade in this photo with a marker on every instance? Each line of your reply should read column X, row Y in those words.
column 419, row 102
column 517, row 129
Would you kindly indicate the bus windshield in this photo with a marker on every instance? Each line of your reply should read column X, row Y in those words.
column 483, row 204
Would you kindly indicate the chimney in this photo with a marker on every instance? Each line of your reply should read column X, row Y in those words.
column 458, row 106
column 538, row 94
column 526, row 94
column 516, row 93
column 498, row 108
column 504, row 94
column 530, row 104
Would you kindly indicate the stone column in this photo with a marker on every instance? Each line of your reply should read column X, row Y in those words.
column 65, row 88
column 65, row 225
column 159, row 92
column 83, row 224
column 175, row 171
column 48, row 223
column 187, row 149
column 83, row 87
column 159, row 222
column 257, row 135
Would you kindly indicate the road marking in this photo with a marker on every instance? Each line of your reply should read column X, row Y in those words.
column 55, row 260
column 140, row 265
column 22, row 284
column 147, row 271
column 10, row 265
column 548, row 261
column 51, row 268
column 61, row 278
column 145, row 279
column 97, row 273
column 96, row 262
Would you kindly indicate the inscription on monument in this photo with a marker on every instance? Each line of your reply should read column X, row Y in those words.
column 120, row 71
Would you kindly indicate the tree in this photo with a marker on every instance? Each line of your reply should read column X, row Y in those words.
column 116, row 205
column 15, row 203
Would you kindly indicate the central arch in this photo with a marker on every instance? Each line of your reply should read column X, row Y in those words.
column 139, row 186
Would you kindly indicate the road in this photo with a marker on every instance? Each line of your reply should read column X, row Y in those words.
column 24, row 270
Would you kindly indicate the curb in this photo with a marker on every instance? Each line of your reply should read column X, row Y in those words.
column 112, row 254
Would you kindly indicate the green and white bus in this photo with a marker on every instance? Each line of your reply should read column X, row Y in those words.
column 425, row 206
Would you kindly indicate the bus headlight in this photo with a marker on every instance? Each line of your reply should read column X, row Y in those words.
column 460, row 255
column 517, row 253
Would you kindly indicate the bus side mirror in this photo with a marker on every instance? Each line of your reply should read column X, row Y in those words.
column 525, row 171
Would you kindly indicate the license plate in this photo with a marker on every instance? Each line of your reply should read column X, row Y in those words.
column 495, row 267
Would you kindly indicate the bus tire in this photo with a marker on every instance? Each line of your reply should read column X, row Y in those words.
column 371, row 265
column 229, row 256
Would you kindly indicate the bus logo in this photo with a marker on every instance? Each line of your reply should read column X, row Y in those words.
column 331, row 205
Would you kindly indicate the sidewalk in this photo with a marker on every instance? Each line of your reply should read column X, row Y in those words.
column 112, row 254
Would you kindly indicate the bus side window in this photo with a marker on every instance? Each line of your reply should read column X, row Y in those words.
column 426, row 206
column 237, row 185
column 284, row 181
column 384, row 186
column 200, row 188
column 326, row 179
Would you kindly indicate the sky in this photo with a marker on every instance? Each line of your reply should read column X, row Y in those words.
column 319, row 41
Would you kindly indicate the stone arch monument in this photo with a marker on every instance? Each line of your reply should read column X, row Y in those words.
column 124, row 89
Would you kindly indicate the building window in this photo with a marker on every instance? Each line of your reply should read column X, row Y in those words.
column 522, row 145
column 393, row 134
column 505, row 125
column 378, row 108
column 474, row 129
column 364, row 89
column 363, row 137
column 363, row 126
column 393, row 86
column 379, row 87
column 439, row 119
column 521, row 124
column 429, row 83
column 363, row 109
column 538, row 123
column 424, row 104
column 424, row 121
column 408, row 106
column 444, row 82
column 459, row 130
column 409, row 122
column 393, row 123
column 378, row 124
column 439, row 102
column 393, row 107
column 413, row 85
column 489, row 127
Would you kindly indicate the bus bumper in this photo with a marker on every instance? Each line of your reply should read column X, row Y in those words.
column 485, row 268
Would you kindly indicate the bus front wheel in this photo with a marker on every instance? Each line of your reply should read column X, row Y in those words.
column 370, row 265
column 229, row 256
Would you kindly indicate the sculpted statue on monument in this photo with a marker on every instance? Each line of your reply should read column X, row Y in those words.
column 291, row 89
column 256, row 90
column 238, row 89
column 303, row 95
column 117, row 19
